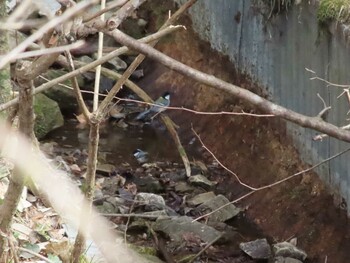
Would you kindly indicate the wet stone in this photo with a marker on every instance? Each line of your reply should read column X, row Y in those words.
column 221, row 215
column 257, row 249
column 286, row 249
column 201, row 180
column 201, row 198
column 177, row 227
column 183, row 187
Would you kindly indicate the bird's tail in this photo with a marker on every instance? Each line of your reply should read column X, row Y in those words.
column 142, row 115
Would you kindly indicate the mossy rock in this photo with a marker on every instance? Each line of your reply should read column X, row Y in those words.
column 62, row 95
column 334, row 10
column 47, row 115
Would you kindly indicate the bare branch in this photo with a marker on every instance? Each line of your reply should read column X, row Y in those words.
column 199, row 112
column 123, row 13
column 90, row 66
column 254, row 190
column 111, row 6
column 41, row 31
column 320, row 137
column 223, row 166
column 76, row 89
column 47, row 51
column 246, row 95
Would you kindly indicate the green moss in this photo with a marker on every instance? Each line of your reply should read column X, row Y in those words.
column 143, row 250
column 48, row 115
column 334, row 10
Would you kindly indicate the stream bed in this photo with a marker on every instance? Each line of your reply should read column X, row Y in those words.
column 159, row 192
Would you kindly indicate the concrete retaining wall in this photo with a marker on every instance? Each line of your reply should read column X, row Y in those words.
column 275, row 52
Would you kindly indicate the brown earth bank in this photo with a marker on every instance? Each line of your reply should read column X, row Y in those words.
column 257, row 149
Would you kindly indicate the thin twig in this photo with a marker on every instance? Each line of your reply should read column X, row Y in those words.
column 77, row 90
column 35, row 254
column 243, row 94
column 98, row 68
column 135, row 215
column 47, row 51
column 92, row 65
column 320, row 137
column 46, row 27
column 221, row 164
column 13, row 249
column 111, row 6
column 128, row 220
column 20, row 11
column 204, row 249
column 197, row 112
column 254, row 190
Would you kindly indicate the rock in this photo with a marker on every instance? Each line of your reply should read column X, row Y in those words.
column 149, row 184
column 221, row 215
column 117, row 63
column 178, row 227
column 286, row 260
column 201, row 180
column 286, row 249
column 105, row 168
column 257, row 249
column 47, row 115
column 137, row 74
column 183, row 187
column 152, row 202
column 63, row 96
column 107, row 208
column 116, row 112
column 142, row 22
column 201, row 198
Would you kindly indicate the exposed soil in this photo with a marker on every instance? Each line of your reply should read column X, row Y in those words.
column 257, row 149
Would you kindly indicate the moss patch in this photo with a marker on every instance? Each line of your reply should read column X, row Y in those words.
column 48, row 115
column 334, row 10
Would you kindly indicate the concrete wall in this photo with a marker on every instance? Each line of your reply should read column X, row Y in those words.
column 275, row 53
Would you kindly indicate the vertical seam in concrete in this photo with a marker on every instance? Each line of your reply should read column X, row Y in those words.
column 329, row 56
column 240, row 36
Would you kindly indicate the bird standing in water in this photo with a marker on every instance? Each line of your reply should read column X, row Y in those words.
column 154, row 110
column 141, row 156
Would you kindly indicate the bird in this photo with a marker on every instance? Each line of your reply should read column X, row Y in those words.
column 141, row 156
column 154, row 110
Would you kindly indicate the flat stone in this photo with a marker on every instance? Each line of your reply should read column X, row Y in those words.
column 177, row 227
column 225, row 213
column 183, row 187
column 152, row 202
column 257, row 249
column 105, row 168
column 201, row 198
column 200, row 180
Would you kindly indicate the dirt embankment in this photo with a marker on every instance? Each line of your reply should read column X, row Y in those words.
column 257, row 149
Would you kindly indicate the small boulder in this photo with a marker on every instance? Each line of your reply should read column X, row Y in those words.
column 225, row 213
column 47, row 115
column 257, row 249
